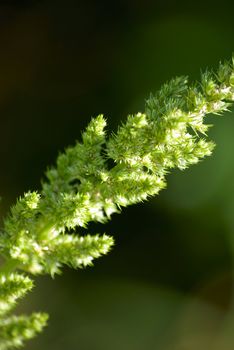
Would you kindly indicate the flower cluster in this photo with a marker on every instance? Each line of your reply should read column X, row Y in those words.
column 39, row 233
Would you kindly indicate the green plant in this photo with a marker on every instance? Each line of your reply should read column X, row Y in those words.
column 38, row 235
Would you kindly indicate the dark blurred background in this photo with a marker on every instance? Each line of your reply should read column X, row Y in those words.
column 167, row 284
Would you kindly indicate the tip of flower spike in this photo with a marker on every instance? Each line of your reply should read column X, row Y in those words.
column 15, row 330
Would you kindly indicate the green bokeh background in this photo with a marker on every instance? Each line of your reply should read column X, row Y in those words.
column 167, row 284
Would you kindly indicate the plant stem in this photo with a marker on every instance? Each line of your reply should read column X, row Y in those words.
column 9, row 266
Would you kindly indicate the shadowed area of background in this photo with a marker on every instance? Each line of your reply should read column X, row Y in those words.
column 167, row 284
